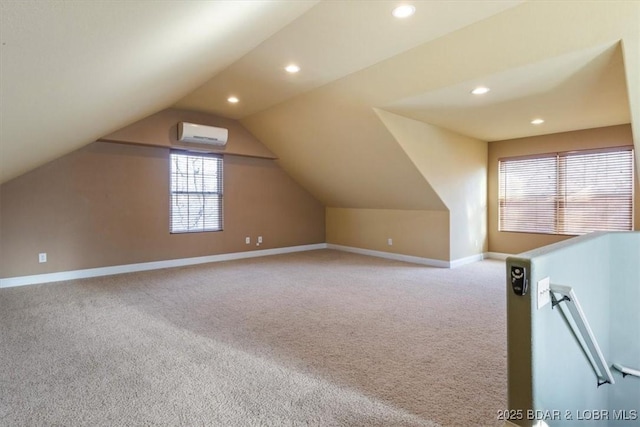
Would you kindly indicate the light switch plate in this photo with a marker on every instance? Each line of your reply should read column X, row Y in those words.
column 544, row 296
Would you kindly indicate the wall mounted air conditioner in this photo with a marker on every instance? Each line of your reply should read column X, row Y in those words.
column 201, row 134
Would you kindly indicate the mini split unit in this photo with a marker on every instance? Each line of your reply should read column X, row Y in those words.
column 201, row 134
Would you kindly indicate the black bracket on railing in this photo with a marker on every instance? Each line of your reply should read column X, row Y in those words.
column 603, row 382
column 555, row 301
column 626, row 371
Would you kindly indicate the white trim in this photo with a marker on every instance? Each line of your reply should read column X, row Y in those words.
column 155, row 265
column 409, row 258
column 131, row 268
column 467, row 260
column 496, row 255
column 389, row 255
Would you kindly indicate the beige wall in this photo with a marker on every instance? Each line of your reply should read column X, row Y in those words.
column 345, row 156
column 108, row 204
column 513, row 243
column 423, row 234
column 456, row 168
column 161, row 130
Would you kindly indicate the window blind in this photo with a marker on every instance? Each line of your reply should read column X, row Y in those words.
column 567, row 193
column 196, row 192
column 596, row 191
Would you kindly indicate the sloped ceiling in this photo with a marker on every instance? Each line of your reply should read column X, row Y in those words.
column 578, row 90
column 317, row 134
column 75, row 71
column 330, row 41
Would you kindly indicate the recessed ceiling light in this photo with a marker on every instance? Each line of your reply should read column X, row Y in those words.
column 480, row 90
column 404, row 11
column 292, row 68
column 537, row 121
column 233, row 99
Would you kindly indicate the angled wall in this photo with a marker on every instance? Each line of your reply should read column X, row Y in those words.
column 342, row 154
column 456, row 168
column 331, row 141
column 107, row 204
column 347, row 158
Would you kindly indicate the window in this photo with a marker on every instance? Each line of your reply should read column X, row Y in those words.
column 567, row 193
column 196, row 192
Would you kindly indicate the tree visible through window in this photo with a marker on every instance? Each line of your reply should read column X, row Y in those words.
column 196, row 192
column 567, row 193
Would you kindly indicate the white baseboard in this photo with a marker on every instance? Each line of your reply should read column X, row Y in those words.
column 155, row 265
column 410, row 258
column 131, row 268
column 496, row 255
column 466, row 260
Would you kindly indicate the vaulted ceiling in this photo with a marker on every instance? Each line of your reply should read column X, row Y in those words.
column 75, row 71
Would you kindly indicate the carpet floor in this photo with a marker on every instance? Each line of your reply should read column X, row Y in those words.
column 320, row 338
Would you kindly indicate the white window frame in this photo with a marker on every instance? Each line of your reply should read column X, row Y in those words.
column 195, row 192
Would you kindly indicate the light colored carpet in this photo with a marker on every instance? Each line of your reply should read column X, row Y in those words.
column 320, row 338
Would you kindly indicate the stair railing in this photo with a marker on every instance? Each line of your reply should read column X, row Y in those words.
column 572, row 311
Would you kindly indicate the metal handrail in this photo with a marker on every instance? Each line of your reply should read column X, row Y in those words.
column 626, row 371
column 581, row 328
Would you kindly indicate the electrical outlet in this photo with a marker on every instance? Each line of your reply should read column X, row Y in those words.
column 247, row 240
column 390, row 241
column 42, row 257
column 259, row 239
